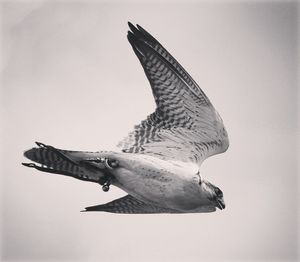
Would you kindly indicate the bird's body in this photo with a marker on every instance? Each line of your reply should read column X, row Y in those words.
column 167, row 184
column 159, row 163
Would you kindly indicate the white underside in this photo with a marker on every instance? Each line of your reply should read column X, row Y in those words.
column 169, row 184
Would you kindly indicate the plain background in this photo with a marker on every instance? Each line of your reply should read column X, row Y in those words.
column 70, row 79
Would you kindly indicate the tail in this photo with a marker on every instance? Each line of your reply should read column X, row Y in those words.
column 77, row 164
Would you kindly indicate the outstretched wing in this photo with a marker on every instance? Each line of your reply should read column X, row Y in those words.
column 130, row 205
column 185, row 126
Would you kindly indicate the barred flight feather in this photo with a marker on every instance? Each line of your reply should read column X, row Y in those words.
column 184, row 121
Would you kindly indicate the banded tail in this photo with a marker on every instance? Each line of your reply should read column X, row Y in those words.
column 77, row 164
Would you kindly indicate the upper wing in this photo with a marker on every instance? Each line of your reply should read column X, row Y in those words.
column 185, row 126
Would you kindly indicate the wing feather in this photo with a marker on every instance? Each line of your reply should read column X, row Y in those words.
column 185, row 126
column 130, row 205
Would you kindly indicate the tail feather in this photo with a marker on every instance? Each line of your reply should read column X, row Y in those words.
column 54, row 159
column 65, row 162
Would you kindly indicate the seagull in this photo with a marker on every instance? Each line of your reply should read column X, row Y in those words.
column 159, row 161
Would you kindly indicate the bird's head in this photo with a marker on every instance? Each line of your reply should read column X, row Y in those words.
column 213, row 194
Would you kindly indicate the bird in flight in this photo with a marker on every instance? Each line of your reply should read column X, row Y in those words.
column 158, row 164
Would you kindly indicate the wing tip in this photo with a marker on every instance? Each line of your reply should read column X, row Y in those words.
column 94, row 208
column 131, row 26
column 136, row 44
column 141, row 34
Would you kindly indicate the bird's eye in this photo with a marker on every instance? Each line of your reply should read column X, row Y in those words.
column 218, row 192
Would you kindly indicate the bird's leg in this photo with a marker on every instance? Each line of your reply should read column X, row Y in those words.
column 108, row 164
column 107, row 183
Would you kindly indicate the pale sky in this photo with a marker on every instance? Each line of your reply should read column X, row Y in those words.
column 70, row 79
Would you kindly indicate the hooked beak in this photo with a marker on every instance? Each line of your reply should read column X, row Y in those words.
column 220, row 203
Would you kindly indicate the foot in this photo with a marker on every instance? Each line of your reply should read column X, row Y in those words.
column 106, row 185
column 108, row 164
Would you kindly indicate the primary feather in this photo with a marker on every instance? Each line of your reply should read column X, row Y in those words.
column 185, row 126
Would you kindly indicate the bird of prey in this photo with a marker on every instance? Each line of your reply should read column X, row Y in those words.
column 158, row 164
